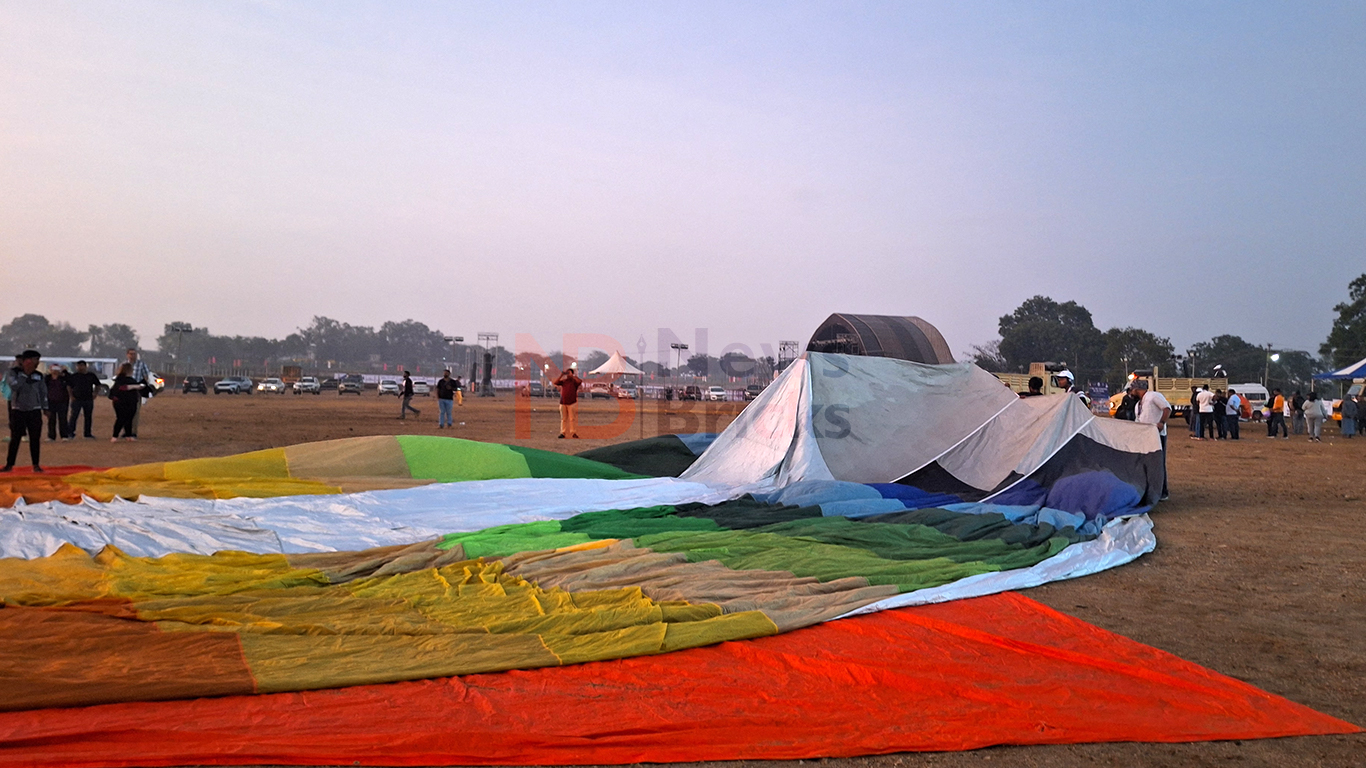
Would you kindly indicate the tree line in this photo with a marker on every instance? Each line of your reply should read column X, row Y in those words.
column 1044, row 330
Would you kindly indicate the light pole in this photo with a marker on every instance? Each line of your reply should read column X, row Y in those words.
column 678, row 359
column 180, row 329
column 1266, row 371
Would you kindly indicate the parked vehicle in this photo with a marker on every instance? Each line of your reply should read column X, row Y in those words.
column 352, row 385
column 716, row 394
column 332, row 383
column 194, row 384
column 272, row 386
column 422, row 388
column 627, row 390
column 389, row 387
column 690, row 392
column 598, row 391
column 233, row 385
column 308, row 385
column 753, row 391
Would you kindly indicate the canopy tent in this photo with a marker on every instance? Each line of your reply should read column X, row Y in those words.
column 616, row 364
column 1356, row 370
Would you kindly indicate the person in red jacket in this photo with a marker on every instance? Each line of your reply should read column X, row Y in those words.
column 569, row 384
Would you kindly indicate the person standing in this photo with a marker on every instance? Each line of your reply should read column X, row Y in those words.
column 1275, row 420
column 1035, row 387
column 407, row 398
column 1153, row 408
column 27, row 401
column 83, row 385
column 1349, row 416
column 126, row 393
column 1314, row 416
column 143, row 376
column 445, row 400
column 58, row 398
column 1234, row 410
column 1204, row 399
column 569, row 384
column 459, row 392
column 1128, row 406
column 1297, row 413
column 1193, row 414
column 1221, row 413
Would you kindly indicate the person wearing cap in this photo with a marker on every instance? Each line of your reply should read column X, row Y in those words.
column 1153, row 408
column 27, row 401
column 1065, row 381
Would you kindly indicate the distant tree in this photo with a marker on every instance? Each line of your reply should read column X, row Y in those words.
column 1042, row 330
column 988, row 356
column 736, row 364
column 34, row 331
column 702, row 365
column 593, row 359
column 112, row 340
column 1346, row 342
column 1244, row 361
column 1129, row 348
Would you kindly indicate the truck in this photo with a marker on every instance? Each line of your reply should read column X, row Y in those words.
column 1177, row 390
column 1019, row 382
column 291, row 373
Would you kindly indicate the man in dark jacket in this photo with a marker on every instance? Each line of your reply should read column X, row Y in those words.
column 407, row 398
column 83, row 385
column 27, row 400
column 57, row 400
column 445, row 400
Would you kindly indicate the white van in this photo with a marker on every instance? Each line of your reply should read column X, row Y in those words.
column 104, row 367
column 1255, row 393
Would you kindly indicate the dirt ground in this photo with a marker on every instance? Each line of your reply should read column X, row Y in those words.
column 1258, row 574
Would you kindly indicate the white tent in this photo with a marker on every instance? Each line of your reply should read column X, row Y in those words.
column 616, row 364
column 1356, row 370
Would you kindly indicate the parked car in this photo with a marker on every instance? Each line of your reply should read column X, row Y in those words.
column 273, row 386
column 753, row 390
column 598, row 390
column 308, row 385
column 536, row 389
column 194, row 384
column 233, row 385
column 350, row 385
column 690, row 392
column 332, row 383
column 717, row 394
column 389, row 387
column 422, row 388
column 627, row 391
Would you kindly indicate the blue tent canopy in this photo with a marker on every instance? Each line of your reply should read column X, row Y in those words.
column 1356, row 370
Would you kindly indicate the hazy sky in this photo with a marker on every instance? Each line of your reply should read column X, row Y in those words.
column 573, row 167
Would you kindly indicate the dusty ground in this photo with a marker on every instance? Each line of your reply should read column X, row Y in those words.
column 1258, row 574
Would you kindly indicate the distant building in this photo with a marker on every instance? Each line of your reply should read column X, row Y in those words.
column 903, row 338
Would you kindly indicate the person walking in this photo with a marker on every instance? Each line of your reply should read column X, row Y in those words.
column 459, row 391
column 569, row 384
column 58, row 398
column 1234, row 410
column 1314, row 416
column 27, row 401
column 1275, row 420
column 1349, row 416
column 126, row 393
column 445, row 400
column 83, row 385
column 1152, row 408
column 407, row 398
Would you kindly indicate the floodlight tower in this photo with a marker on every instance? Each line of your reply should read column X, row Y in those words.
column 787, row 352
column 180, row 329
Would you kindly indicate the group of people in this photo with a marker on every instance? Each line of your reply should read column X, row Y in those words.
column 67, row 398
column 1215, row 414
column 1307, row 414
